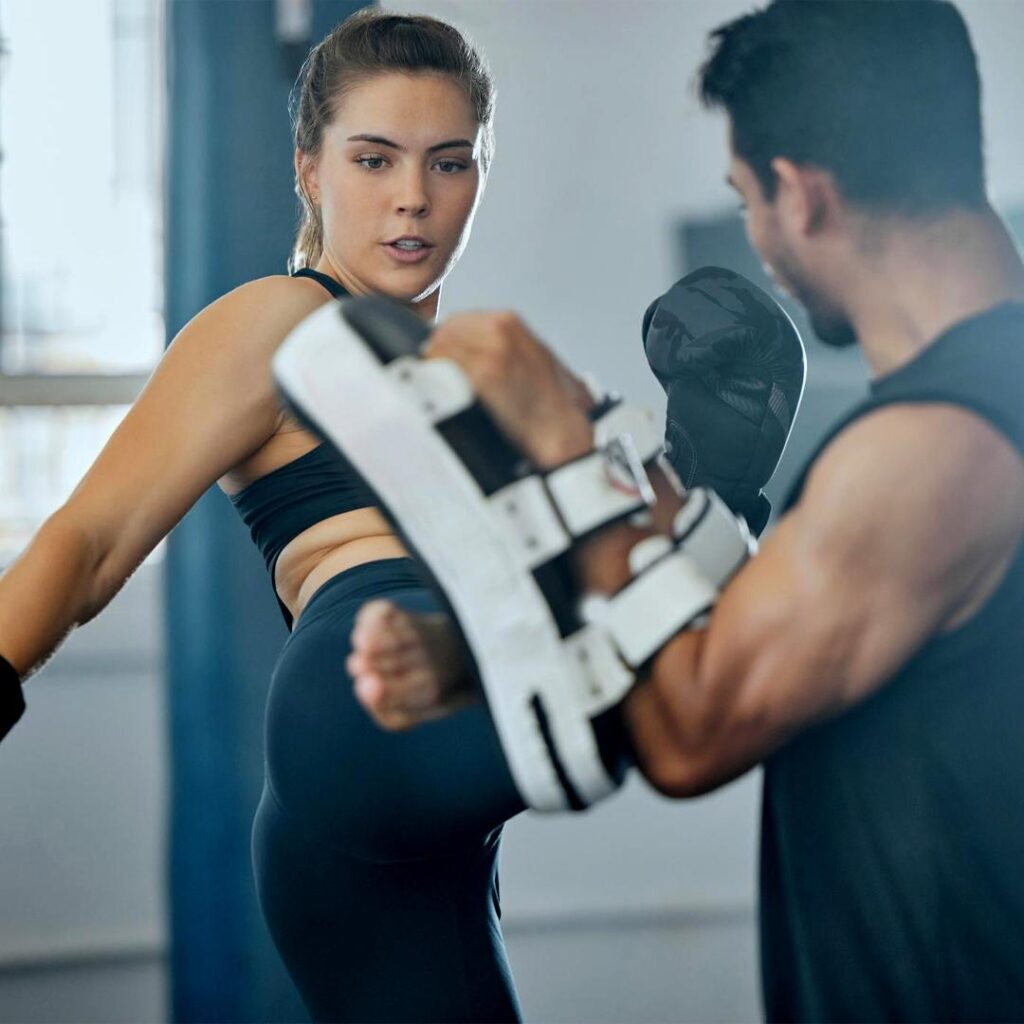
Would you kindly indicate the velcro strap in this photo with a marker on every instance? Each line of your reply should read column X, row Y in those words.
column 589, row 492
column 533, row 524
column 639, row 423
column 643, row 616
column 438, row 386
column 716, row 540
column 603, row 676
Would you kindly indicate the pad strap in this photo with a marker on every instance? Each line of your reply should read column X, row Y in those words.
column 545, row 513
column 637, row 422
column 674, row 583
column 437, row 386
column 602, row 677
column 609, row 483
column 601, row 487
column 709, row 534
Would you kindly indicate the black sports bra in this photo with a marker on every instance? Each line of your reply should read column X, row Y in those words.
column 277, row 507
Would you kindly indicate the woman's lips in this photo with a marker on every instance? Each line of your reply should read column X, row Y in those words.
column 408, row 256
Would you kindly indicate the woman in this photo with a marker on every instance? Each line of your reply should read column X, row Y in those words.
column 375, row 854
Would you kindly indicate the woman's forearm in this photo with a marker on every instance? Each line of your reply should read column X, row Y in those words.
column 49, row 589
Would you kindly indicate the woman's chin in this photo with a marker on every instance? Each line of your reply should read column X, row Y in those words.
column 408, row 288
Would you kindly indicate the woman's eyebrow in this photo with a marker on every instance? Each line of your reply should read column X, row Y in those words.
column 381, row 141
column 451, row 144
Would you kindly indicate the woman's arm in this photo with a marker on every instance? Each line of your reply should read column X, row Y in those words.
column 209, row 404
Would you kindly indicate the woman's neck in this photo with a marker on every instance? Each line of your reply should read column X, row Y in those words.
column 425, row 308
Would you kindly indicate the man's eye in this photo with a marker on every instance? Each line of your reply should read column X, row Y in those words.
column 371, row 163
column 450, row 166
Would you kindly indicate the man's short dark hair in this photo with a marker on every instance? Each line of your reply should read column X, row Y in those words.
column 884, row 94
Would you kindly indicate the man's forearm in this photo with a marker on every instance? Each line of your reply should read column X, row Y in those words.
column 664, row 711
column 671, row 718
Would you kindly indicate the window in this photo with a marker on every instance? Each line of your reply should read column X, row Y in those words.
column 81, row 296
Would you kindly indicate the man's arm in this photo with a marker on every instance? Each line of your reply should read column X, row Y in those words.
column 906, row 526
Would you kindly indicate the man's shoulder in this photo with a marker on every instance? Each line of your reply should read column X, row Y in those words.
column 918, row 443
column 916, row 485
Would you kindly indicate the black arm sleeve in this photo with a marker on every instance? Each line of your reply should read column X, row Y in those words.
column 12, row 699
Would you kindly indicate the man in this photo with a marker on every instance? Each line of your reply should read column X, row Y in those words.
column 871, row 654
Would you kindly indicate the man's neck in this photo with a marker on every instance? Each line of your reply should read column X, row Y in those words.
column 916, row 283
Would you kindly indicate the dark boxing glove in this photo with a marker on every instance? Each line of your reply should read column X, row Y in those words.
column 732, row 365
column 12, row 700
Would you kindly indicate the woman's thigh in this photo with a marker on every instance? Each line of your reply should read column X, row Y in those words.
column 406, row 941
column 378, row 795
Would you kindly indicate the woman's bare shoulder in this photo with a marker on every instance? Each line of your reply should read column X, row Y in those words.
column 266, row 308
column 208, row 406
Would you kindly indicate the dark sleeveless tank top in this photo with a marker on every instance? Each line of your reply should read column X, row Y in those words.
column 278, row 506
column 892, row 848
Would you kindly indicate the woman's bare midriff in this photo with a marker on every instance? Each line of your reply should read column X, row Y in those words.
column 326, row 548
column 329, row 548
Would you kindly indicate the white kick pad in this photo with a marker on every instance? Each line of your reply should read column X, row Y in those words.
column 383, row 419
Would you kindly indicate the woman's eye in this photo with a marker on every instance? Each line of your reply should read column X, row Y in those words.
column 371, row 163
column 450, row 166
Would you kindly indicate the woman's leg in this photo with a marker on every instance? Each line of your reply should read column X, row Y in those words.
column 377, row 794
column 375, row 852
column 402, row 941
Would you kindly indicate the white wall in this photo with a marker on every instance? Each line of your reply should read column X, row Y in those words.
column 640, row 910
column 83, row 801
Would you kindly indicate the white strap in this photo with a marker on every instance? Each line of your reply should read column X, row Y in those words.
column 673, row 585
column 712, row 536
column 646, row 552
column 587, row 495
column 438, row 387
column 530, row 520
column 639, row 423
column 657, row 604
column 603, row 678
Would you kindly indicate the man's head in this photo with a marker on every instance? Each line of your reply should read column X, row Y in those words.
column 845, row 114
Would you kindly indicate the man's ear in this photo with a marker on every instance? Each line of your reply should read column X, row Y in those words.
column 306, row 176
column 806, row 197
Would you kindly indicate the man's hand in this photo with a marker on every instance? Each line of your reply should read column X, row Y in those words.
column 538, row 403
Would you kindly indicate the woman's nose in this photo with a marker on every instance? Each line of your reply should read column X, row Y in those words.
column 412, row 200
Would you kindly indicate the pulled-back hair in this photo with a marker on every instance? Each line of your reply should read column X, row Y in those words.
column 884, row 94
column 368, row 43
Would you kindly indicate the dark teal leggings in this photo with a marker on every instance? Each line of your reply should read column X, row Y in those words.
column 376, row 853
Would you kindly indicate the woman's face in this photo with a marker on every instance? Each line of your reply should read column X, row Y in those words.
column 399, row 161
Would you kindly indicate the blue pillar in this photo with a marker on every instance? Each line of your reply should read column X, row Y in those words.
column 231, row 216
